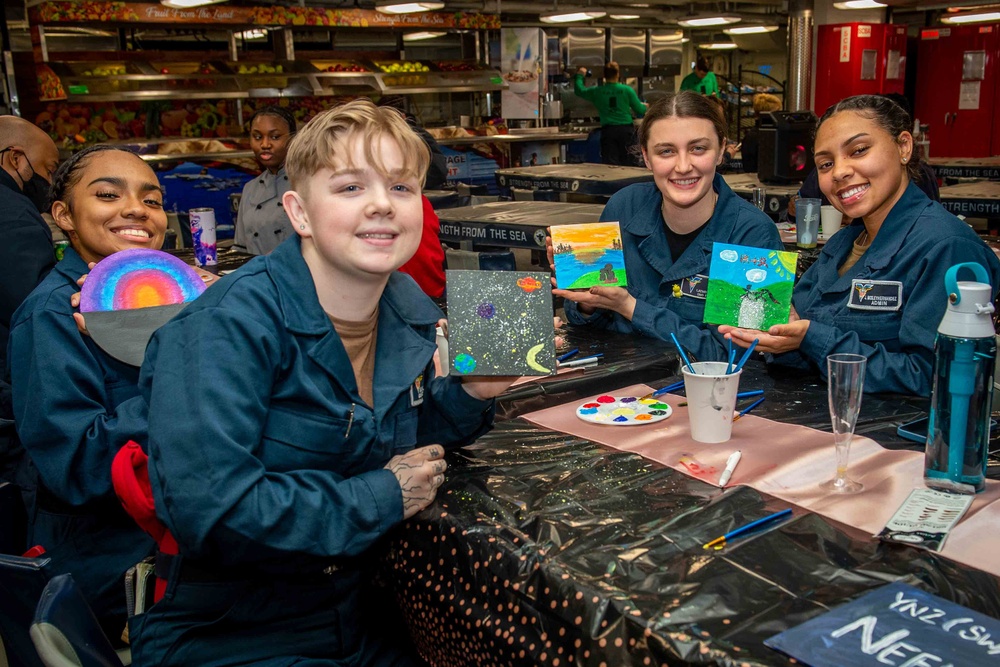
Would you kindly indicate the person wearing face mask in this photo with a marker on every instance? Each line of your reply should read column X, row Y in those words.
column 261, row 222
column 27, row 159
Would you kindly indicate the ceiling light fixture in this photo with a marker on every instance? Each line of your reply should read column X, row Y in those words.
column 977, row 17
column 707, row 21
column 717, row 46
column 624, row 17
column 859, row 4
column 395, row 7
column 570, row 16
column 750, row 29
column 418, row 36
column 188, row 4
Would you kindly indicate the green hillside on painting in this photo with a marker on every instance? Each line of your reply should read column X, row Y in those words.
column 593, row 279
column 722, row 303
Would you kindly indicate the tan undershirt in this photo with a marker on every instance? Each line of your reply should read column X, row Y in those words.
column 359, row 341
column 857, row 252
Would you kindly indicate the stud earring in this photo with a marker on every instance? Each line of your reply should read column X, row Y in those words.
column 302, row 226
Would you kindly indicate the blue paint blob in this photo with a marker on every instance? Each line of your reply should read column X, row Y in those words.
column 588, row 411
column 464, row 363
column 620, row 419
column 486, row 311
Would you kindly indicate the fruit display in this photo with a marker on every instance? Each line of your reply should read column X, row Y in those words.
column 302, row 108
column 105, row 69
column 403, row 73
column 78, row 125
column 402, row 67
column 342, row 66
column 49, row 85
column 183, row 68
column 260, row 68
column 457, row 66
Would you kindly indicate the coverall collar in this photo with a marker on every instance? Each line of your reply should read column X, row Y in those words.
column 300, row 304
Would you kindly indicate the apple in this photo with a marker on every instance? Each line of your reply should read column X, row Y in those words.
column 165, row 70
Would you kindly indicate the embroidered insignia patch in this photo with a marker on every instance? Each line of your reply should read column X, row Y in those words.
column 417, row 391
column 695, row 286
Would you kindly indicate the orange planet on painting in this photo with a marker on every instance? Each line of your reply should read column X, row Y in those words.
column 529, row 284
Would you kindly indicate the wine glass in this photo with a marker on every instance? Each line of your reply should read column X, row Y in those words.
column 759, row 198
column 845, row 380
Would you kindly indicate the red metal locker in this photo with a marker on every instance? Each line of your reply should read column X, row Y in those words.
column 957, row 89
column 858, row 59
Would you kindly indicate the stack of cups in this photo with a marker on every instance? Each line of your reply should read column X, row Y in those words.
column 711, row 399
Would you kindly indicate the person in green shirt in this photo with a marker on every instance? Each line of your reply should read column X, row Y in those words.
column 702, row 79
column 615, row 104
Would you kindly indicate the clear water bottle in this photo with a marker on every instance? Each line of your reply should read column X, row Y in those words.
column 964, row 357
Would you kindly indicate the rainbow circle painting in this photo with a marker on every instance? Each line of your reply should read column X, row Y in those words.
column 139, row 278
column 623, row 410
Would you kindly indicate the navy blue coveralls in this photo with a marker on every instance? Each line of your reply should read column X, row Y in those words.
column 26, row 253
column 268, row 467
column 917, row 243
column 74, row 407
column 670, row 296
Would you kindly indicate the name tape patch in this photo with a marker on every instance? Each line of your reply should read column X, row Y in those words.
column 886, row 295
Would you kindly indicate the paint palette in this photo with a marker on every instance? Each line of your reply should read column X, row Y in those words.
column 623, row 410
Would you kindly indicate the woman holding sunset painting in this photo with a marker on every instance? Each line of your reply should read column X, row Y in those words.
column 668, row 227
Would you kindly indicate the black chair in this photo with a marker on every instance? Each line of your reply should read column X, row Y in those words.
column 66, row 632
column 22, row 581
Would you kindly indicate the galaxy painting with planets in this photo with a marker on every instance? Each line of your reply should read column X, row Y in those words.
column 588, row 255
column 749, row 287
column 500, row 323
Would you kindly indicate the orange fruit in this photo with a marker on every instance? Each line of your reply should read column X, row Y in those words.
column 110, row 128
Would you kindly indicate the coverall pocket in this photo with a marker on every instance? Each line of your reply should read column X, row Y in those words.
column 303, row 441
column 872, row 326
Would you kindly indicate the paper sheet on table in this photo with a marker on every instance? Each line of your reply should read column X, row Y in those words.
column 789, row 462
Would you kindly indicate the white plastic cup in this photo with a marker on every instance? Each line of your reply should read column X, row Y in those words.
column 831, row 219
column 444, row 362
column 711, row 399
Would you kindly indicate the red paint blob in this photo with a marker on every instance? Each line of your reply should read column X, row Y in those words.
column 605, row 399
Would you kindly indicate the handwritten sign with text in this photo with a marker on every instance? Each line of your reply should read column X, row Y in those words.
column 894, row 625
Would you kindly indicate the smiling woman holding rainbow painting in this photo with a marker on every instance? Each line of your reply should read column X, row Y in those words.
column 668, row 227
column 74, row 404
column 877, row 288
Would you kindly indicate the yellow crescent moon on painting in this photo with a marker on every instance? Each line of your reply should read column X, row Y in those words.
column 532, row 353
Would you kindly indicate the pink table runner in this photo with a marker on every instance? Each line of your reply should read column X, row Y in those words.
column 789, row 462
